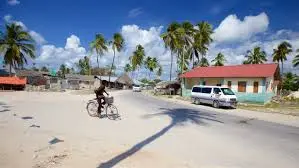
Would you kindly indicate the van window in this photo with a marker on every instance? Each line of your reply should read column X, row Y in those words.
column 206, row 90
column 227, row 91
column 196, row 89
column 216, row 90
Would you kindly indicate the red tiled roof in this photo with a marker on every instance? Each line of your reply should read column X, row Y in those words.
column 248, row 70
column 13, row 80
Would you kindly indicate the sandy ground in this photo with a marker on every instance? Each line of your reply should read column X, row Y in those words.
column 141, row 138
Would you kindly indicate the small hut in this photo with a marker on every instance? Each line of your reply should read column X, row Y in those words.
column 167, row 87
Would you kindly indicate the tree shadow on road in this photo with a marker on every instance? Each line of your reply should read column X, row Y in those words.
column 179, row 117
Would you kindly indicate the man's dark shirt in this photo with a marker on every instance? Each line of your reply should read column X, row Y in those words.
column 100, row 90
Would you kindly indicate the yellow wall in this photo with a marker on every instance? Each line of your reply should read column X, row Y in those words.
column 249, row 84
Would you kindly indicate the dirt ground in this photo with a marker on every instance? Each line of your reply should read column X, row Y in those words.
column 46, row 129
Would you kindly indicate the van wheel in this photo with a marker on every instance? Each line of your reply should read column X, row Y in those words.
column 216, row 104
column 197, row 101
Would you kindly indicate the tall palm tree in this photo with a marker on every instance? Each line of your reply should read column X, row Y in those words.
column 84, row 66
column 15, row 45
column 296, row 59
column 219, row 60
column 202, row 38
column 138, row 57
column 257, row 56
column 99, row 44
column 280, row 54
column 117, row 44
column 128, row 68
column 204, row 62
column 159, row 71
column 171, row 41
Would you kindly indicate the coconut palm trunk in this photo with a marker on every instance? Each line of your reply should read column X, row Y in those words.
column 171, row 61
column 111, row 66
column 98, row 61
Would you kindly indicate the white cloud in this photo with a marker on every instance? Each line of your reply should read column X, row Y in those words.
column 39, row 39
column 13, row 2
column 7, row 18
column 232, row 29
column 235, row 55
column 135, row 12
column 55, row 56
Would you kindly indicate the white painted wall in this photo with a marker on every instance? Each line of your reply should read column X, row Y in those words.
column 249, row 83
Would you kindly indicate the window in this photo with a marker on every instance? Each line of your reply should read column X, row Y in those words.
column 206, row 90
column 229, row 84
column 255, row 87
column 219, row 84
column 241, row 86
column 227, row 91
column 204, row 83
column 196, row 89
column 216, row 90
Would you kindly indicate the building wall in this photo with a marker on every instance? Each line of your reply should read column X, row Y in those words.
column 265, row 93
column 249, row 84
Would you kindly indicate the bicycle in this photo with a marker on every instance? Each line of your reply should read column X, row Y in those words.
column 109, row 108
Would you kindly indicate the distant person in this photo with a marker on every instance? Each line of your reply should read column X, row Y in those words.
column 100, row 95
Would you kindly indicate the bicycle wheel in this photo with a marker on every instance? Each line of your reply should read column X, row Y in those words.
column 92, row 108
column 112, row 112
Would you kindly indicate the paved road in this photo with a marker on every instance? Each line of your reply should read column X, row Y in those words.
column 207, row 138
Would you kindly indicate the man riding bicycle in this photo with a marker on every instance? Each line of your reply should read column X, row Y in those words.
column 100, row 95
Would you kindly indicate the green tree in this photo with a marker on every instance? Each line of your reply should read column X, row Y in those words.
column 128, row 68
column 44, row 69
column 117, row 44
column 15, row 45
column 63, row 70
column 151, row 64
column 171, row 41
column 257, row 56
column 84, row 66
column 202, row 40
column 99, row 44
column 204, row 62
column 296, row 59
column 280, row 54
column 159, row 71
column 219, row 60
column 290, row 82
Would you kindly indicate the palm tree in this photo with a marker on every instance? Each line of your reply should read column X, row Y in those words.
column 63, row 70
column 44, row 69
column 117, row 44
column 280, row 54
column 219, row 60
column 15, row 45
column 159, row 71
column 84, row 66
column 204, row 62
column 296, row 59
column 171, row 41
column 137, row 58
column 202, row 38
column 99, row 45
column 257, row 56
column 128, row 68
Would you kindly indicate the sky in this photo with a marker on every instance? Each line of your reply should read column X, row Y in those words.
column 63, row 29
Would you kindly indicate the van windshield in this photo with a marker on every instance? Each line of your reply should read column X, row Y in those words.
column 227, row 91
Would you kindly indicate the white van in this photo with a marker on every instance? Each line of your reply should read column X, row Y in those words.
column 214, row 95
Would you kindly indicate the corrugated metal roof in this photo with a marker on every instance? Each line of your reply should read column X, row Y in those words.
column 106, row 78
column 13, row 80
column 248, row 70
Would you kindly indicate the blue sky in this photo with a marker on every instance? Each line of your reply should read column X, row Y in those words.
column 57, row 20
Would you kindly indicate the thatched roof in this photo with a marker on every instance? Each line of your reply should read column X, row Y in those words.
column 26, row 73
column 166, row 84
column 79, row 77
column 125, row 79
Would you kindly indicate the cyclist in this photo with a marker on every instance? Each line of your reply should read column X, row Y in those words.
column 100, row 95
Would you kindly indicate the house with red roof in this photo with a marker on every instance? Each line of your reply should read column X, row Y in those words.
column 250, row 82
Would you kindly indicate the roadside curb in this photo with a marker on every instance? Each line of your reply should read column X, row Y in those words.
column 278, row 118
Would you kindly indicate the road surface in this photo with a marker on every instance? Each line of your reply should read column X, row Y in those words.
column 151, row 133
